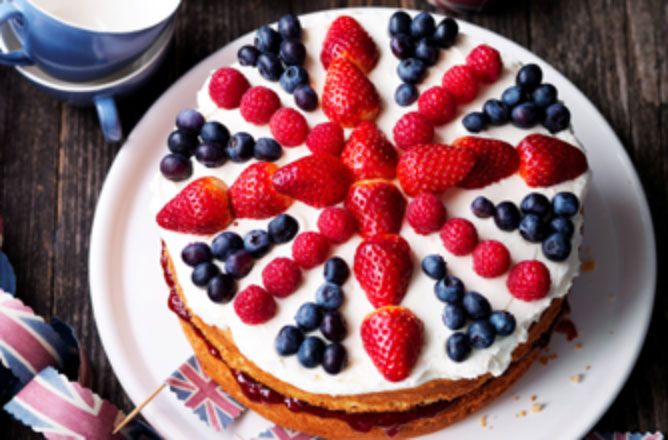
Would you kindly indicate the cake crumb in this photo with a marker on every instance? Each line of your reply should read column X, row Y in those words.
column 579, row 346
column 483, row 421
column 576, row 378
column 533, row 397
column 587, row 265
column 537, row 407
column 522, row 413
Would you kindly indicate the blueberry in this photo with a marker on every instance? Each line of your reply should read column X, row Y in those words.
column 311, row 351
column 475, row 122
column 525, row 115
column 293, row 52
column 267, row 149
column 189, row 119
column 309, row 316
column 257, row 243
column 213, row 131
column 503, row 322
column 562, row 225
column 402, row 46
column 557, row 247
column 182, row 141
column 240, row 147
column 427, row 51
column 450, row 289
column 536, row 203
column 507, row 216
column 565, row 204
column 203, row 272
column 282, row 228
column 292, row 77
column 335, row 358
column 532, row 228
column 406, row 94
column 557, row 117
column 400, row 23
column 497, row 112
column 267, row 39
column 482, row 207
column 481, row 334
column 176, row 167
column 306, row 98
column 423, row 25
column 476, row 305
column 411, row 70
column 454, row 316
column 288, row 340
column 225, row 244
column 211, row 155
column 239, row 264
column 333, row 326
column 513, row 96
column 529, row 77
column 336, row 270
column 433, row 266
column 248, row 55
column 221, row 288
column 458, row 347
column 269, row 66
column 289, row 26
column 329, row 296
column 544, row 95
column 446, row 32
column 196, row 253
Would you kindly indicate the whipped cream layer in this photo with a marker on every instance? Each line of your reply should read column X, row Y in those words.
column 360, row 376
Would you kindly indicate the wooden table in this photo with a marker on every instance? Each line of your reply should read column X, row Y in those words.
column 53, row 160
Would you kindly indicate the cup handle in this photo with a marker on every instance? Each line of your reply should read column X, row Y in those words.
column 110, row 123
column 16, row 57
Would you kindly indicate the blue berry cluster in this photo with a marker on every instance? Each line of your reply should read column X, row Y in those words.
column 322, row 314
column 417, row 43
column 279, row 56
column 237, row 254
column 462, row 306
column 538, row 219
column 527, row 103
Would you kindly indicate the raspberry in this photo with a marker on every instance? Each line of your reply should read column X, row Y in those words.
column 281, row 277
column 529, row 280
column 425, row 213
column 254, row 305
column 461, row 83
column 310, row 249
column 258, row 104
column 490, row 259
column 459, row 236
column 411, row 130
column 227, row 86
column 337, row 224
column 437, row 105
column 288, row 127
column 485, row 63
column 326, row 138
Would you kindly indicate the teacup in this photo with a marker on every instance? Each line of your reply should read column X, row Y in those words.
column 84, row 40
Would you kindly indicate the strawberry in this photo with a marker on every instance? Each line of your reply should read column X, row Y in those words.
column 348, row 96
column 485, row 63
column 227, row 86
column 288, row 127
column 281, row 277
column 412, row 129
column 426, row 213
column 202, row 207
column 433, row 168
column 392, row 337
column 437, row 105
column 495, row 160
column 368, row 153
column 459, row 236
column 529, row 280
column 346, row 38
column 317, row 180
column 258, row 104
column 377, row 205
column 254, row 305
column 490, row 259
column 326, row 138
column 547, row 161
column 310, row 249
column 337, row 224
column 383, row 267
column 254, row 196
column 460, row 81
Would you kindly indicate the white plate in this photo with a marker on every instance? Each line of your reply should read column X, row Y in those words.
column 611, row 305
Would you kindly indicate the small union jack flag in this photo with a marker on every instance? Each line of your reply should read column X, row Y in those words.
column 279, row 433
column 203, row 396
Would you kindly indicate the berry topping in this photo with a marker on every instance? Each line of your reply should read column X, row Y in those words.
column 458, row 347
column 503, row 322
column 215, row 132
column 306, row 98
column 189, row 119
column 248, row 55
column 196, row 253
column 239, row 264
column 446, row 32
column 490, row 259
column 544, row 95
column 529, row 280
column 176, row 167
column 269, row 66
column 310, row 249
column 221, row 288
column 529, row 77
column 254, row 196
column 336, row 271
column 335, row 358
column 482, row 207
column 495, row 160
column 289, row 127
column 475, row 122
column 532, row 228
column 347, row 39
column 557, row 117
column 326, row 138
column 337, row 224
column 254, row 305
column 557, row 247
column 258, row 104
column 563, row 226
column 283, row 228
column 293, row 77
column 281, row 277
column 333, row 326
column 329, row 296
column 182, row 142
column 267, row 149
column 406, row 94
column 507, row 216
column 257, row 243
column 462, row 84
column 565, row 204
column 227, row 86
column 225, row 244
column 211, row 155
column 526, row 115
column 400, row 23
column 377, row 206
column 288, row 340
column 437, row 105
column 289, row 26
column 496, row 111
column 293, row 53
column 434, row 266
column 535, row 203
column 402, row 46
column 485, row 63
column 423, row 25
column 450, row 290
column 433, row 168
column 481, row 334
column 411, row 70
column 426, row 213
column 267, row 39
column 368, row 154
column 513, row 96
column 203, row 273
column 311, row 352
column 427, row 51
column 454, row 316
column 476, row 305
column 459, row 236
column 309, row 316
column 546, row 161
column 412, row 129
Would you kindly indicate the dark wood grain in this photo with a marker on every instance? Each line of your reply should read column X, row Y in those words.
column 53, row 160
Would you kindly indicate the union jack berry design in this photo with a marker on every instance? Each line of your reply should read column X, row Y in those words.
column 279, row 433
column 203, row 396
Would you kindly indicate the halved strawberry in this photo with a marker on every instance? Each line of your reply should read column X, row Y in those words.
column 318, row 180
column 346, row 38
column 348, row 96
column 433, row 168
column 368, row 153
column 495, row 160
column 377, row 205
column 546, row 161
column 392, row 337
column 202, row 207
column 254, row 196
column 383, row 267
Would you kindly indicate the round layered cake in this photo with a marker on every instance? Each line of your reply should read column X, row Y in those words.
column 370, row 223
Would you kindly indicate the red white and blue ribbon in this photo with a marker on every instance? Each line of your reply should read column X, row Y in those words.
column 279, row 433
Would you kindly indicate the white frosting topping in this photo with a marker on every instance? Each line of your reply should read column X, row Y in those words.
column 361, row 376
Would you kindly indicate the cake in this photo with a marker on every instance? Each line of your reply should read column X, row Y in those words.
column 388, row 249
